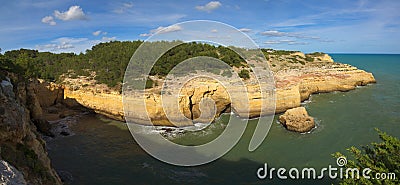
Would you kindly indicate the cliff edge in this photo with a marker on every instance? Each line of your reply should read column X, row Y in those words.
column 295, row 81
column 21, row 145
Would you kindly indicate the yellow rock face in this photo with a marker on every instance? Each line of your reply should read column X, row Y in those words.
column 103, row 103
column 297, row 119
column 325, row 58
column 292, row 87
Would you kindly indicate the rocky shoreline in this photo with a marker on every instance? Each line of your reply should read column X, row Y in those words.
column 21, row 145
column 33, row 112
column 51, row 108
column 293, row 86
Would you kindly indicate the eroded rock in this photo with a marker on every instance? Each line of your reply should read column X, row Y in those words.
column 297, row 119
column 293, row 85
column 18, row 136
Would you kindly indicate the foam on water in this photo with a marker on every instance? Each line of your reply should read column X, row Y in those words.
column 103, row 154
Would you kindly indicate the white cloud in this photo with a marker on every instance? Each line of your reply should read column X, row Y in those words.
column 107, row 39
column 275, row 33
column 168, row 29
column 99, row 32
column 49, row 20
column 245, row 30
column 128, row 5
column 96, row 33
column 161, row 30
column 73, row 13
column 284, row 41
column 214, row 31
column 145, row 34
column 272, row 42
column 123, row 7
column 62, row 43
column 278, row 41
column 298, row 43
column 209, row 6
column 71, row 40
column 54, row 47
column 68, row 44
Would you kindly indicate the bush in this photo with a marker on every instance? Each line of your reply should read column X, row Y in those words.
column 309, row 59
column 244, row 73
column 317, row 54
column 149, row 83
column 381, row 157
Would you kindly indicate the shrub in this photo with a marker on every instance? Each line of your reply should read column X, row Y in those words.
column 381, row 157
column 244, row 73
column 149, row 83
column 309, row 59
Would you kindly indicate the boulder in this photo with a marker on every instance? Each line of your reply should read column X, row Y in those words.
column 297, row 119
column 10, row 175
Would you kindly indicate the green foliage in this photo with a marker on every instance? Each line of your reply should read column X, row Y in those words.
column 149, row 83
column 381, row 157
column 317, row 54
column 185, row 51
column 277, row 52
column 31, row 63
column 244, row 73
column 230, row 57
column 108, row 60
column 309, row 59
column 8, row 65
column 23, row 157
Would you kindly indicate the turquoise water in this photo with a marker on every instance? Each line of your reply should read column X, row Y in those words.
column 103, row 152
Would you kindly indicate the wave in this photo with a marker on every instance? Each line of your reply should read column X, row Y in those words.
column 199, row 129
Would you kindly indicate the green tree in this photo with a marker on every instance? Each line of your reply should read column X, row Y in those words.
column 109, row 60
column 383, row 157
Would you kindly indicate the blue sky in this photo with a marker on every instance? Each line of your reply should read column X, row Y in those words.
column 308, row 25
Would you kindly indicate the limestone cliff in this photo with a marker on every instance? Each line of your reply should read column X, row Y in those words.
column 40, row 95
column 296, row 85
column 20, row 143
column 293, row 85
column 102, row 103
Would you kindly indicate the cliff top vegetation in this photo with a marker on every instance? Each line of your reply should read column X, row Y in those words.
column 109, row 60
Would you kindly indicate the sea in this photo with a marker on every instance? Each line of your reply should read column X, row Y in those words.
column 102, row 151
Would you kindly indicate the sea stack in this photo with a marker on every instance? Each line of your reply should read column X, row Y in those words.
column 297, row 119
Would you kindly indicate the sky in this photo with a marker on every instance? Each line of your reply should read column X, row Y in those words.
column 337, row 26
